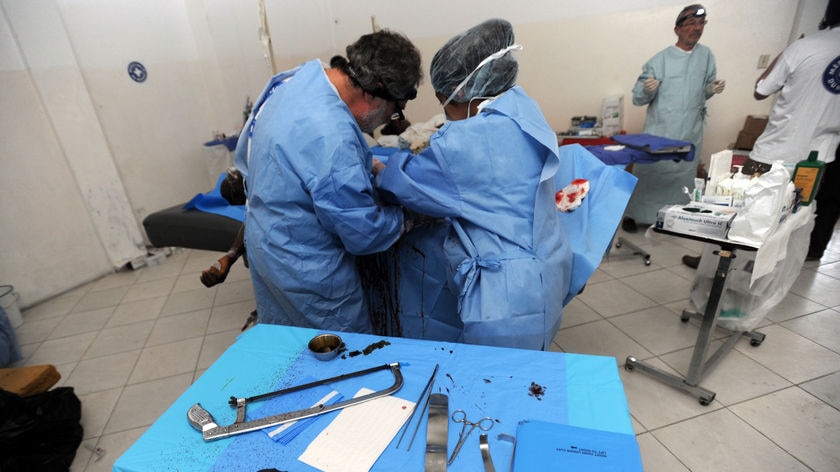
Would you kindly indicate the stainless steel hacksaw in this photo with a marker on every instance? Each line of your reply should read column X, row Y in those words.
column 203, row 421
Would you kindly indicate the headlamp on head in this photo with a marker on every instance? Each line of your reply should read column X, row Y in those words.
column 691, row 11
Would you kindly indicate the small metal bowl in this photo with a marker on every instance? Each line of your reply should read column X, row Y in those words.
column 326, row 346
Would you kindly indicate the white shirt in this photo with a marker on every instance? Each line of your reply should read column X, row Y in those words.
column 806, row 114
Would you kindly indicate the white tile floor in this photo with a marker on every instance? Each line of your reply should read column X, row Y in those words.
column 132, row 342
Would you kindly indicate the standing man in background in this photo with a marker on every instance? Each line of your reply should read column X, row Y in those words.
column 674, row 84
column 307, row 169
column 805, row 116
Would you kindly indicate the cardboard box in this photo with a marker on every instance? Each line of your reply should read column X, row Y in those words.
column 746, row 140
column 755, row 124
column 753, row 127
column 697, row 219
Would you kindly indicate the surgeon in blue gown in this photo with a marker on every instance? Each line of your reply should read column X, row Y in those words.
column 312, row 208
column 489, row 172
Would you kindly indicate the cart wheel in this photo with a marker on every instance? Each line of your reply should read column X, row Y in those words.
column 628, row 364
column 618, row 244
column 705, row 401
column 628, row 367
column 755, row 342
column 684, row 318
column 647, row 262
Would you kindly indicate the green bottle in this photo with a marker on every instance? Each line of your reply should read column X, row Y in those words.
column 808, row 175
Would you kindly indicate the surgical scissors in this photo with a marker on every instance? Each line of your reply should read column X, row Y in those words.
column 460, row 416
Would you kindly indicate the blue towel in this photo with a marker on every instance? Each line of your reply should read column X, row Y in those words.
column 214, row 202
column 643, row 149
column 655, row 144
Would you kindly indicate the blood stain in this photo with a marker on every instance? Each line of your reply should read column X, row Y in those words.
column 536, row 391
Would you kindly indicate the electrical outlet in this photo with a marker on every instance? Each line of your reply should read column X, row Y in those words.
column 763, row 60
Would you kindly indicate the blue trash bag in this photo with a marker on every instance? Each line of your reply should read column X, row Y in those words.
column 9, row 348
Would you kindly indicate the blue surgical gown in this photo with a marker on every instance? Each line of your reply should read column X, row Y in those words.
column 676, row 110
column 311, row 204
column 506, row 255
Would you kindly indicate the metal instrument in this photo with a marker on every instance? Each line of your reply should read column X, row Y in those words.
column 203, row 421
column 460, row 416
column 437, row 433
column 485, row 453
column 425, row 393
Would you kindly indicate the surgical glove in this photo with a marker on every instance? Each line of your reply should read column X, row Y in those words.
column 717, row 86
column 651, row 85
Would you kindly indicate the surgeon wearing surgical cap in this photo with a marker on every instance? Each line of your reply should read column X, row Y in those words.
column 312, row 208
column 489, row 172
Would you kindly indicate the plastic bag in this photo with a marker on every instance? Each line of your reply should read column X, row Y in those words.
column 765, row 202
column 40, row 432
column 744, row 302
column 9, row 347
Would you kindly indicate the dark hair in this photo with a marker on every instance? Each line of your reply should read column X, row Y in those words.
column 384, row 59
column 692, row 11
column 832, row 15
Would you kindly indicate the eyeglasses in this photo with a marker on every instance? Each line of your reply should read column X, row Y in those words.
column 399, row 103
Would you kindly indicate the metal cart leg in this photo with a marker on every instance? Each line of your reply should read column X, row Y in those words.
column 637, row 251
column 700, row 364
column 703, row 395
column 756, row 338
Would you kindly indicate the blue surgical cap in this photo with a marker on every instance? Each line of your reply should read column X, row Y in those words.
column 462, row 54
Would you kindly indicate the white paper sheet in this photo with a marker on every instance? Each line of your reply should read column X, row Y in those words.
column 357, row 436
column 720, row 164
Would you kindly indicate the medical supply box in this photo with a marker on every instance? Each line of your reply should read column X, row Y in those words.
column 696, row 218
column 612, row 115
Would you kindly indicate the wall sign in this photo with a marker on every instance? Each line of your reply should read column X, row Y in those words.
column 137, row 72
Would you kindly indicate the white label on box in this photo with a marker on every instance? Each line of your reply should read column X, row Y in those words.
column 705, row 220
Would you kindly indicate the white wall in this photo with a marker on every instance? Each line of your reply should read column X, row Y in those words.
column 88, row 153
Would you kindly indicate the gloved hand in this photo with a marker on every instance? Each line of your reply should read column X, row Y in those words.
column 650, row 85
column 717, row 86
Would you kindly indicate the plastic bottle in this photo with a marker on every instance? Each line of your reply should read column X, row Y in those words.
column 740, row 183
column 807, row 175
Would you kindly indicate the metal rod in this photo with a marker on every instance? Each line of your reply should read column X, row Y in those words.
column 414, row 408
column 234, row 401
column 417, row 426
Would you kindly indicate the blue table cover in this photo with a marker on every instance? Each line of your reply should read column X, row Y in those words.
column 642, row 149
column 509, row 385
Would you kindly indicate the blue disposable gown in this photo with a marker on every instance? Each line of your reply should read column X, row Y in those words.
column 676, row 110
column 311, row 205
column 507, row 258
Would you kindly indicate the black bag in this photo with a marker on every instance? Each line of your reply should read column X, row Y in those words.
column 39, row 432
